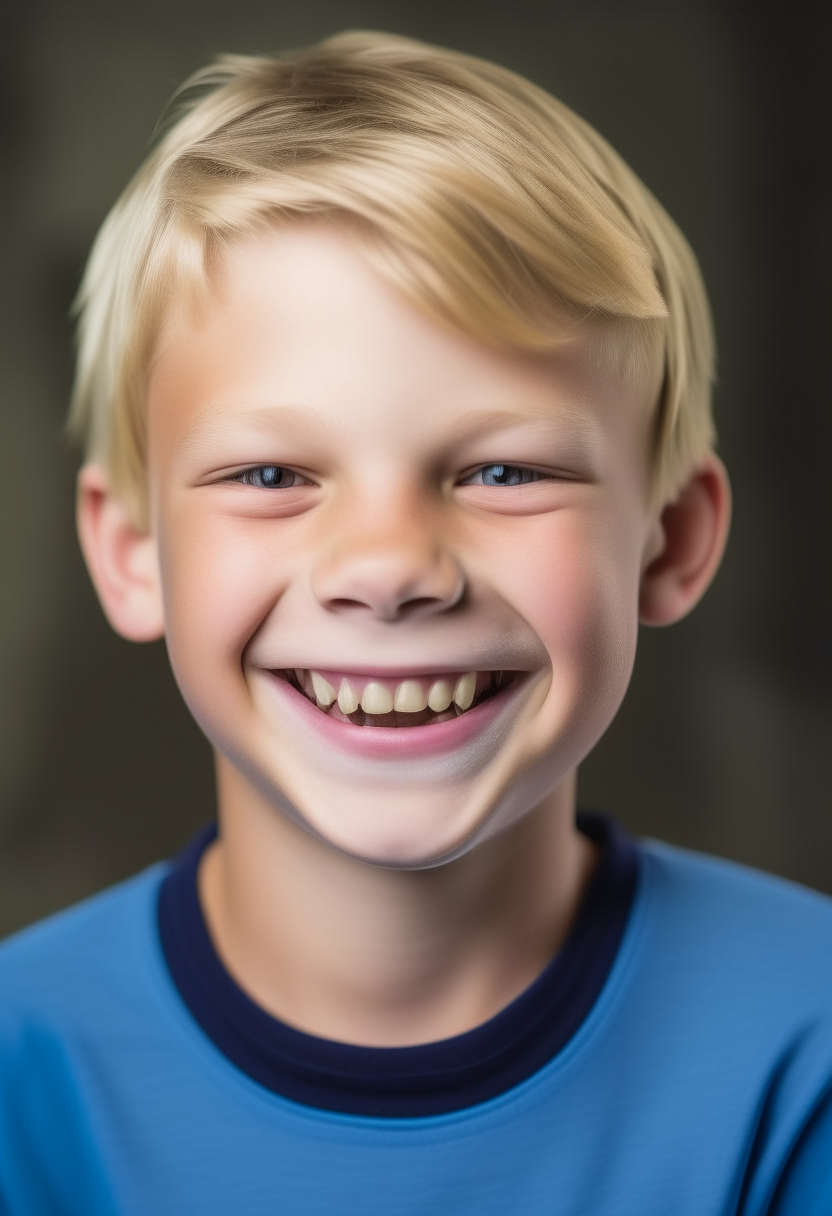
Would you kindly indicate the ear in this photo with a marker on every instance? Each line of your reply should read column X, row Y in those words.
column 122, row 561
column 691, row 535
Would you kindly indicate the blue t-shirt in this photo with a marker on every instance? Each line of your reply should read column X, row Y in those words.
column 674, row 1059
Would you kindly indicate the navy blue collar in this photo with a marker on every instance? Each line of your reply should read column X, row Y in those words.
column 399, row 1082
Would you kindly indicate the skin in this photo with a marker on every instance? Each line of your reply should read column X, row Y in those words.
column 406, row 896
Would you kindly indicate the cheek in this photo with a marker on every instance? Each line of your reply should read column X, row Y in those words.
column 578, row 590
column 220, row 581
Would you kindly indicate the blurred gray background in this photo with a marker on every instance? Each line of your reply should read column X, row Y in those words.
column 724, row 741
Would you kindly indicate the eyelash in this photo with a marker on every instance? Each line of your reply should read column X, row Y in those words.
column 277, row 477
column 288, row 479
column 511, row 474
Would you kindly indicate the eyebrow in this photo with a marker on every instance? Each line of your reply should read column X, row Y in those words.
column 577, row 433
column 256, row 420
column 475, row 421
column 255, row 415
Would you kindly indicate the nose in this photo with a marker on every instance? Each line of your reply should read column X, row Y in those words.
column 388, row 574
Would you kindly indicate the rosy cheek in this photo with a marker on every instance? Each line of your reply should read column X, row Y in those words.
column 578, row 603
column 220, row 582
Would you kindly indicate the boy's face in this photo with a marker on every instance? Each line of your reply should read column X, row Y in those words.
column 339, row 486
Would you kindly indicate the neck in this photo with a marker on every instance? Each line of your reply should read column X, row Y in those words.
column 355, row 952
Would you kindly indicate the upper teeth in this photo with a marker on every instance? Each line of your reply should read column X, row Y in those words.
column 324, row 692
column 410, row 696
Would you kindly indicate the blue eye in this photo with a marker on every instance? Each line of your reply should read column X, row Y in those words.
column 269, row 477
column 502, row 475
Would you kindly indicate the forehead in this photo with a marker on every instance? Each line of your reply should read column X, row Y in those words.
column 299, row 332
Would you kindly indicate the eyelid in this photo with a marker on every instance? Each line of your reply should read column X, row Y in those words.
column 238, row 475
column 541, row 474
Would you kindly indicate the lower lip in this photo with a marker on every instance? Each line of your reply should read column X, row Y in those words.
column 396, row 742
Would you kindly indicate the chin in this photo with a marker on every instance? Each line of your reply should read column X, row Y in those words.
column 385, row 831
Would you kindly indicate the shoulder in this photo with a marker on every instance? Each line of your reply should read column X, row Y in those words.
column 735, row 953
column 720, row 1021
column 731, row 908
column 75, row 958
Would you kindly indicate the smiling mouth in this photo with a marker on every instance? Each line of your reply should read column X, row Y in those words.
column 414, row 701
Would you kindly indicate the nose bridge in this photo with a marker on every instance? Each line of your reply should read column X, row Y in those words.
column 386, row 557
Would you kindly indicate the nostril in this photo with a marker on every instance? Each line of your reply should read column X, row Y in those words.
column 347, row 605
column 393, row 611
column 418, row 604
column 388, row 584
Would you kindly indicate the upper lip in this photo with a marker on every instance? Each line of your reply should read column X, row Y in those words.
column 392, row 673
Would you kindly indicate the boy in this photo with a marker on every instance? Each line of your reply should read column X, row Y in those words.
column 394, row 383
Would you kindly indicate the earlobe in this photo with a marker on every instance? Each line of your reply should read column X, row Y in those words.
column 122, row 560
column 693, row 530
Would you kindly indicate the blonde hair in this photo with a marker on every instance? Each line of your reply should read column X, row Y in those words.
column 481, row 197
